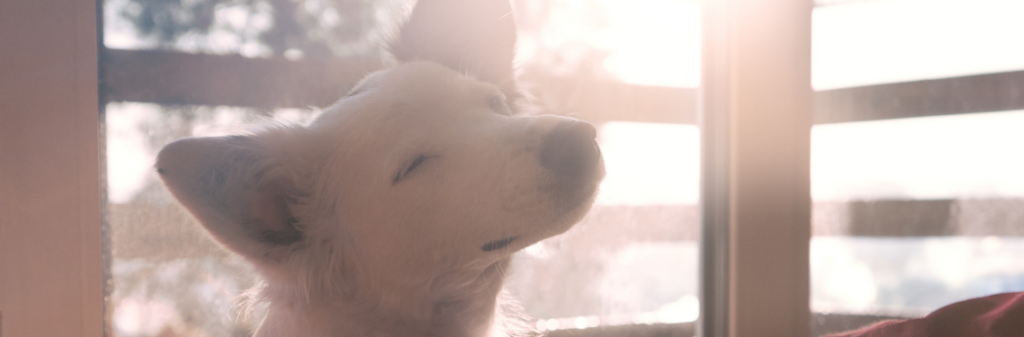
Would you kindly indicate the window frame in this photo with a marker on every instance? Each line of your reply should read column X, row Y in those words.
column 755, row 118
column 51, row 257
column 51, row 162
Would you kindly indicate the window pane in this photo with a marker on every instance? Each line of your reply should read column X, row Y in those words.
column 632, row 260
column 913, row 214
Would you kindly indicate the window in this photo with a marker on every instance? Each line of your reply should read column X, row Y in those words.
column 171, row 71
column 933, row 204
column 916, row 197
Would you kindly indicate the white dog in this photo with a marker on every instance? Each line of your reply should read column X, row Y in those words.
column 396, row 212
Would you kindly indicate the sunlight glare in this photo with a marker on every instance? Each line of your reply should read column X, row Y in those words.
column 972, row 155
column 642, row 42
column 649, row 163
column 885, row 41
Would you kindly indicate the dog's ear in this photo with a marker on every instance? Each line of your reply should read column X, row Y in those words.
column 235, row 188
column 476, row 37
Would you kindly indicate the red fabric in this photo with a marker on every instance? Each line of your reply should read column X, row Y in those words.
column 993, row 316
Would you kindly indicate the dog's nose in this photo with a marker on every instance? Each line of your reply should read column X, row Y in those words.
column 570, row 149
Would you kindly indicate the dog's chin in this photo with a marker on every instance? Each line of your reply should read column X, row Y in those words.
column 572, row 200
column 570, row 197
column 571, row 207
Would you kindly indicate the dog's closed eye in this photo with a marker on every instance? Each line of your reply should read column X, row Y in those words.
column 409, row 168
column 498, row 105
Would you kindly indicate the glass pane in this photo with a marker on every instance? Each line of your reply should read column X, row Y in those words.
column 632, row 260
column 913, row 214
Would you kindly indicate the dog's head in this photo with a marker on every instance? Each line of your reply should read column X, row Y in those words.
column 422, row 167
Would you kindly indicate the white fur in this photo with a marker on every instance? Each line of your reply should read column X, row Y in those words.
column 347, row 244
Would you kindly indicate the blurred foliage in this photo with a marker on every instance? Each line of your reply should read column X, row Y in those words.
column 312, row 27
column 556, row 34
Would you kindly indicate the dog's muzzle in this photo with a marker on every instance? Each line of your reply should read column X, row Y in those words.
column 570, row 150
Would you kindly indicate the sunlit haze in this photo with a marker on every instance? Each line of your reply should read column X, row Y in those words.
column 960, row 156
column 884, row 41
